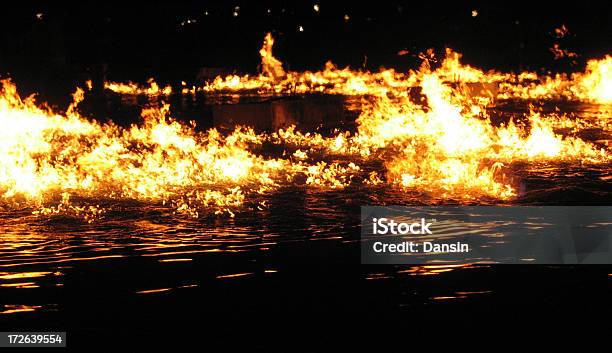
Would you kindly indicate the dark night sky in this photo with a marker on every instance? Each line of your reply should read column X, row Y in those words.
column 137, row 40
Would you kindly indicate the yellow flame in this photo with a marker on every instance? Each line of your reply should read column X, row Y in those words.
column 132, row 88
column 270, row 66
column 596, row 83
column 430, row 128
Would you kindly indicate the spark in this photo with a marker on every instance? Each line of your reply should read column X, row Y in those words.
column 561, row 31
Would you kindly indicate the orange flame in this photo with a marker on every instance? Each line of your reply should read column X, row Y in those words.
column 430, row 129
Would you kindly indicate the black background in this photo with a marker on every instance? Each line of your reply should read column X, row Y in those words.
column 138, row 40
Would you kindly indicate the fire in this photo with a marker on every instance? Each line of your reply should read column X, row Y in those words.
column 596, row 83
column 593, row 86
column 47, row 156
column 270, row 66
column 429, row 129
column 274, row 79
column 134, row 89
column 44, row 152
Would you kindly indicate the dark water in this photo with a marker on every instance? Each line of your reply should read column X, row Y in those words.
column 143, row 274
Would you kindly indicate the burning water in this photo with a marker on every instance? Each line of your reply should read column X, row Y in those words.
column 425, row 129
